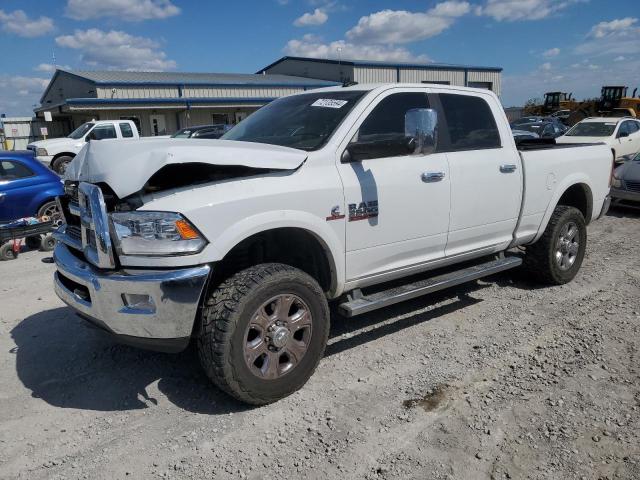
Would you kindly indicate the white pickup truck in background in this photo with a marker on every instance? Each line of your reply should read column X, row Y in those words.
column 58, row 152
column 365, row 195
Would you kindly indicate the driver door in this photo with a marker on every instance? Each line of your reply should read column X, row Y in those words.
column 398, row 203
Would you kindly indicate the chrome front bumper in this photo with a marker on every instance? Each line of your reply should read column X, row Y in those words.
column 148, row 308
column 620, row 194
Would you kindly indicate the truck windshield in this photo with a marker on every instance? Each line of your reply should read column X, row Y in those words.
column 300, row 121
column 592, row 129
column 81, row 131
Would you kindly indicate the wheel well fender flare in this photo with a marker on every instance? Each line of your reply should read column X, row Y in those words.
column 575, row 181
column 266, row 221
column 63, row 154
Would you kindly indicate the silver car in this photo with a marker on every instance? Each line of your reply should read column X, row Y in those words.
column 625, row 188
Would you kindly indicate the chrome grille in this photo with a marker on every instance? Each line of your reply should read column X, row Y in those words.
column 88, row 227
column 632, row 186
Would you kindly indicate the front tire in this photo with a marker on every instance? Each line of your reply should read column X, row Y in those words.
column 556, row 257
column 263, row 332
column 60, row 164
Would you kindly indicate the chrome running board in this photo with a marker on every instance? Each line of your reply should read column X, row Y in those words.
column 358, row 304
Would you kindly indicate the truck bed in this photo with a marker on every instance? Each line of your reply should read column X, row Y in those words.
column 548, row 170
column 547, row 144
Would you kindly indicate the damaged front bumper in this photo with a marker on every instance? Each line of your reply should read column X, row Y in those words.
column 147, row 308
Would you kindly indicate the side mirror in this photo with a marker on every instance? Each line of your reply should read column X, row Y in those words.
column 422, row 125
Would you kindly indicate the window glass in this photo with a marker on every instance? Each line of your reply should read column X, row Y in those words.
column 103, row 132
column 304, row 121
column 592, row 129
column 81, row 131
column 624, row 128
column 632, row 127
column 126, row 130
column 13, row 170
column 384, row 127
column 469, row 123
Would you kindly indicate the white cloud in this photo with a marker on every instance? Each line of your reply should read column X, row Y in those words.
column 552, row 52
column 18, row 94
column 617, row 37
column 127, row 10
column 513, row 10
column 614, row 27
column 401, row 26
column 116, row 50
column 545, row 66
column 50, row 68
column 311, row 46
column 620, row 58
column 318, row 17
column 19, row 23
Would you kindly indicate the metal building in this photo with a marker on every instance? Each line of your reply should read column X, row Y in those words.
column 162, row 102
column 364, row 71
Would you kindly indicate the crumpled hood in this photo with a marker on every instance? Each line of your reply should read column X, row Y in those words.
column 127, row 165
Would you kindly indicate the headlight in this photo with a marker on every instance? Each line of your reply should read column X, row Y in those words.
column 155, row 233
column 615, row 182
column 41, row 152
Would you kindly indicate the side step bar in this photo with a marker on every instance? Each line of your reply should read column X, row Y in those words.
column 367, row 303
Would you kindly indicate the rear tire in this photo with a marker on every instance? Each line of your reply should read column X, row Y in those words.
column 263, row 332
column 59, row 165
column 48, row 243
column 556, row 257
column 7, row 253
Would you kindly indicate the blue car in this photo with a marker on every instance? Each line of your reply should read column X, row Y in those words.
column 27, row 188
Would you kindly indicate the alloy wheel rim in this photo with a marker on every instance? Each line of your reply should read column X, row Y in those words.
column 277, row 336
column 568, row 246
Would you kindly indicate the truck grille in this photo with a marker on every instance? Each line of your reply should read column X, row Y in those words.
column 632, row 186
column 87, row 225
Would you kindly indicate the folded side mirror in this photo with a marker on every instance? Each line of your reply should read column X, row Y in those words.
column 421, row 124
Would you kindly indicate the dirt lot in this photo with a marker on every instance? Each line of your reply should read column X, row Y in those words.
column 498, row 379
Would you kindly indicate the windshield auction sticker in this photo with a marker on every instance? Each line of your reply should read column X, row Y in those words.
column 329, row 103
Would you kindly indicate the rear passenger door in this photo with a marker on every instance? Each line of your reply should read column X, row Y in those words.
column 486, row 176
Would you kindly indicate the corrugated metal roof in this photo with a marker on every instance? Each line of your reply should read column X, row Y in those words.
column 113, row 77
column 375, row 63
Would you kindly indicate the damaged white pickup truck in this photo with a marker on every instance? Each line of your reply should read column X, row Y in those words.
column 365, row 195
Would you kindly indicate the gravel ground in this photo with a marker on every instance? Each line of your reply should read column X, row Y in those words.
column 497, row 379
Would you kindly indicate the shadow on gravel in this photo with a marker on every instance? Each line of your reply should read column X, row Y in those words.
column 397, row 317
column 70, row 365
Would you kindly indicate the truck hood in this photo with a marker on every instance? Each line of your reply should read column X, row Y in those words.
column 127, row 166
column 54, row 142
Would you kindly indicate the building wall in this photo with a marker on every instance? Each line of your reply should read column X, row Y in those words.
column 419, row 75
column 324, row 71
column 484, row 76
column 138, row 92
column 375, row 75
column 244, row 92
column 68, row 86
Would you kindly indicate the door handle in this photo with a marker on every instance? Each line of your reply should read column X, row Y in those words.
column 508, row 168
column 430, row 177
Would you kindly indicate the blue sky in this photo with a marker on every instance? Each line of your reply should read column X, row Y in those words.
column 569, row 45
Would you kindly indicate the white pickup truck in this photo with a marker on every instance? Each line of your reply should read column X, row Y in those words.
column 340, row 194
column 57, row 153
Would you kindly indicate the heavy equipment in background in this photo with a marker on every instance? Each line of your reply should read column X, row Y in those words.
column 553, row 102
column 613, row 102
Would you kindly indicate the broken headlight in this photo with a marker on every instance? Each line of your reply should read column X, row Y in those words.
column 154, row 233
